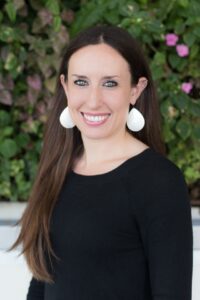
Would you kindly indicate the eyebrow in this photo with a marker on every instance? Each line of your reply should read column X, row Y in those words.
column 85, row 77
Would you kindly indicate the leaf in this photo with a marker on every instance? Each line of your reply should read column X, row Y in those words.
column 6, row 131
column 112, row 17
column 5, row 170
column 5, row 118
column 1, row 16
column 89, row 15
column 181, row 101
column 157, row 72
column 23, row 186
column 126, row 22
column 50, row 84
column 155, row 26
column 194, row 51
column 37, row 26
column 36, row 4
column 22, row 139
column 189, row 38
column 168, row 134
column 5, row 97
column 184, row 3
column 8, row 148
column 11, row 11
column 129, row 9
column 19, row 4
column 7, row 34
column 194, row 108
column 146, row 38
column 11, row 62
column 174, row 60
column 135, row 30
column 179, row 27
column 16, row 166
column 159, row 58
column 5, row 189
column 197, row 31
column 182, row 64
column 183, row 128
column 53, row 6
column 57, row 23
column 143, row 1
column 196, row 131
column 164, row 108
column 112, row 4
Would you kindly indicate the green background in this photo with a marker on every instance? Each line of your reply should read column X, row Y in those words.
column 32, row 36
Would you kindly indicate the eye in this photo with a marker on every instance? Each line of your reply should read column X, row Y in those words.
column 80, row 82
column 110, row 83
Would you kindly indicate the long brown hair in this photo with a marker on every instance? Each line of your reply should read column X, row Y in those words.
column 62, row 146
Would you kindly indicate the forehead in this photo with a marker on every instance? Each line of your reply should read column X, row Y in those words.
column 100, row 58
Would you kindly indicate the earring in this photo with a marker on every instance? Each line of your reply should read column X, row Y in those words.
column 65, row 118
column 135, row 120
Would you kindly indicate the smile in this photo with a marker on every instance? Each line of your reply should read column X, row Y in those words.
column 95, row 119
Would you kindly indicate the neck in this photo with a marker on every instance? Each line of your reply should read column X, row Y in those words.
column 97, row 151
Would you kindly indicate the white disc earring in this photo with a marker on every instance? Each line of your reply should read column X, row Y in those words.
column 135, row 120
column 65, row 119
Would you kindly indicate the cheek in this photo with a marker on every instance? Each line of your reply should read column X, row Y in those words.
column 119, row 101
column 75, row 98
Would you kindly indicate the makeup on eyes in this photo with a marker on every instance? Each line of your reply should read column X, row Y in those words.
column 80, row 82
column 109, row 83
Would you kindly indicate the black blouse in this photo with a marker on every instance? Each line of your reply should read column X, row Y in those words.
column 122, row 235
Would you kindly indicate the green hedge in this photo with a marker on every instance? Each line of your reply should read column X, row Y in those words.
column 31, row 39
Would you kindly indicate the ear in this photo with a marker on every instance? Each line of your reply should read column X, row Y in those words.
column 138, row 89
column 64, row 84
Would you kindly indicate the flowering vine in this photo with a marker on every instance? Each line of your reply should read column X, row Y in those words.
column 182, row 50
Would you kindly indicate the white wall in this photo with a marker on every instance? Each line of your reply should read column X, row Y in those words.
column 14, row 276
column 196, row 276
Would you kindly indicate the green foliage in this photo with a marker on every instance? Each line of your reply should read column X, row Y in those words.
column 150, row 22
column 32, row 36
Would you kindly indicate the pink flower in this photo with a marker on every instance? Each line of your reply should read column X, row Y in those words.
column 182, row 50
column 171, row 39
column 186, row 87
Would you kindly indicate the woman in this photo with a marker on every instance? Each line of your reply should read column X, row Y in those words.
column 109, row 215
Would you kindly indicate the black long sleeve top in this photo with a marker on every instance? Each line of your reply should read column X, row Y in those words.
column 122, row 235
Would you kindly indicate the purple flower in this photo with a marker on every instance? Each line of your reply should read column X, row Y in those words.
column 171, row 39
column 34, row 82
column 186, row 87
column 182, row 50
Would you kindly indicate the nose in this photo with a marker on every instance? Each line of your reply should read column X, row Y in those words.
column 95, row 98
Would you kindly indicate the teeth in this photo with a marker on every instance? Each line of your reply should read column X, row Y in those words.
column 95, row 118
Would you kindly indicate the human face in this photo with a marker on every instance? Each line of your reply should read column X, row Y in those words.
column 99, row 91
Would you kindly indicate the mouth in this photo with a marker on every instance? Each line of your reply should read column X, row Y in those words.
column 95, row 119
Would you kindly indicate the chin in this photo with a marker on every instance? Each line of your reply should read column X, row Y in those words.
column 95, row 135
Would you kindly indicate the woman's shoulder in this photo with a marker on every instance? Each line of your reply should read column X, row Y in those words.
column 162, row 164
column 157, row 182
column 154, row 167
column 149, row 160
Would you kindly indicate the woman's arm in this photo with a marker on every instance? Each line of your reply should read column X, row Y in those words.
column 168, row 237
column 36, row 290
